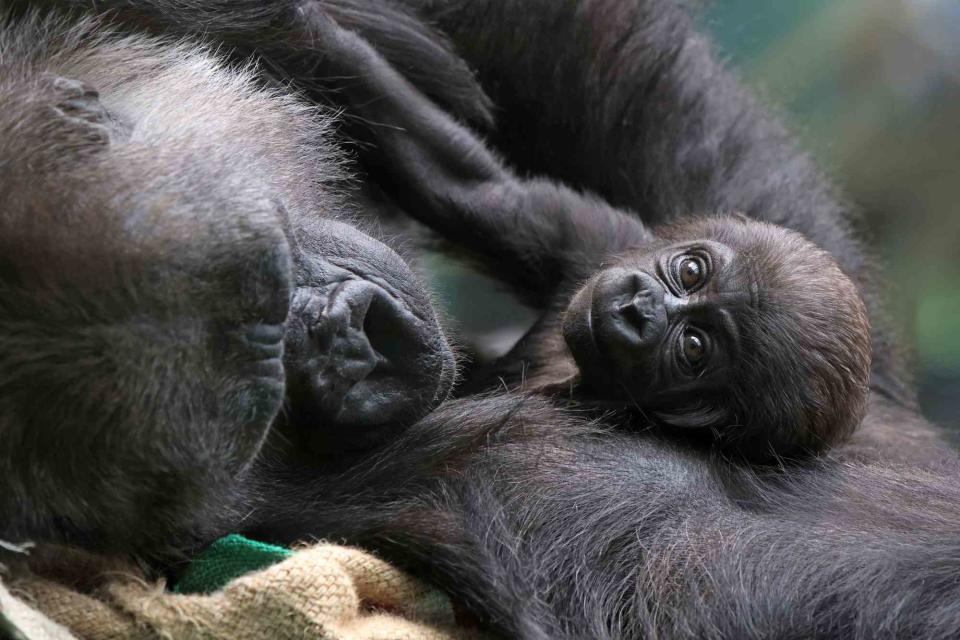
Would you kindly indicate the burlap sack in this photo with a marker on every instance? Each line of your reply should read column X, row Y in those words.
column 18, row 619
column 326, row 591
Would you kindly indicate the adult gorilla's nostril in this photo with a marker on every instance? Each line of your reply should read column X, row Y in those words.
column 393, row 331
column 358, row 359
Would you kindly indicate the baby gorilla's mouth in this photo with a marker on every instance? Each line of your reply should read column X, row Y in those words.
column 357, row 360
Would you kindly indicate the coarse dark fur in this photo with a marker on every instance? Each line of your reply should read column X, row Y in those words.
column 549, row 527
column 271, row 30
column 161, row 218
column 766, row 348
column 553, row 528
column 626, row 98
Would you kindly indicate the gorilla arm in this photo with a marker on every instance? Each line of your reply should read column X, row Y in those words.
column 626, row 98
column 535, row 234
column 550, row 529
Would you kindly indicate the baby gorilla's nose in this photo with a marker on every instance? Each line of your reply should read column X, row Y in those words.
column 628, row 320
column 641, row 309
column 637, row 300
column 614, row 328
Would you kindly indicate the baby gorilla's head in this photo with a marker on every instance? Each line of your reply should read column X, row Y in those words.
column 728, row 324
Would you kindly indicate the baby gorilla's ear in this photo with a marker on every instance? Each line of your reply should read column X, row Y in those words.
column 80, row 121
column 699, row 416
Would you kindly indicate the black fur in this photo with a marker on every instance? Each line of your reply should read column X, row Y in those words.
column 269, row 29
column 550, row 527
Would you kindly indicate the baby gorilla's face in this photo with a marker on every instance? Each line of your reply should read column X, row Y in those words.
column 729, row 324
column 662, row 324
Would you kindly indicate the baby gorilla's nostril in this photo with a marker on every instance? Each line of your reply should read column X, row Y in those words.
column 639, row 300
column 629, row 316
column 640, row 309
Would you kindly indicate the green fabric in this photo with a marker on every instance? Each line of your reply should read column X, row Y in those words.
column 227, row 558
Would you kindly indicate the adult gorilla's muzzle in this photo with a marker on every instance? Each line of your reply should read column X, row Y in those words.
column 363, row 357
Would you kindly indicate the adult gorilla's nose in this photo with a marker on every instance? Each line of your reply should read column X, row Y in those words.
column 361, row 363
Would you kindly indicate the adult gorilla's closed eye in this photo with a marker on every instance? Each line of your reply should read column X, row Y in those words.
column 160, row 215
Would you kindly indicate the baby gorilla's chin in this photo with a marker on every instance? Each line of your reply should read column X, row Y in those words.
column 577, row 328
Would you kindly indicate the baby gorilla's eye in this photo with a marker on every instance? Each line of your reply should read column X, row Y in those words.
column 691, row 273
column 694, row 347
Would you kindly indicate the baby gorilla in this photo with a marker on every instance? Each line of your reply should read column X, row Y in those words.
column 168, row 268
column 718, row 324
column 729, row 324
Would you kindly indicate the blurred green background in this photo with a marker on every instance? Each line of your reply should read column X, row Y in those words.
column 872, row 89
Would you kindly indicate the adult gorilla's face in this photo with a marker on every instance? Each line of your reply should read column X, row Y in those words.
column 364, row 352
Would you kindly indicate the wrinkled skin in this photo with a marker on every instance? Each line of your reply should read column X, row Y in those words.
column 364, row 352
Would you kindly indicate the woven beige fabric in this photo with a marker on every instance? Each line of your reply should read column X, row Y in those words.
column 29, row 622
column 325, row 591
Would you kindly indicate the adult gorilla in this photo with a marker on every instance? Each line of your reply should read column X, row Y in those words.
column 622, row 97
column 167, row 273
